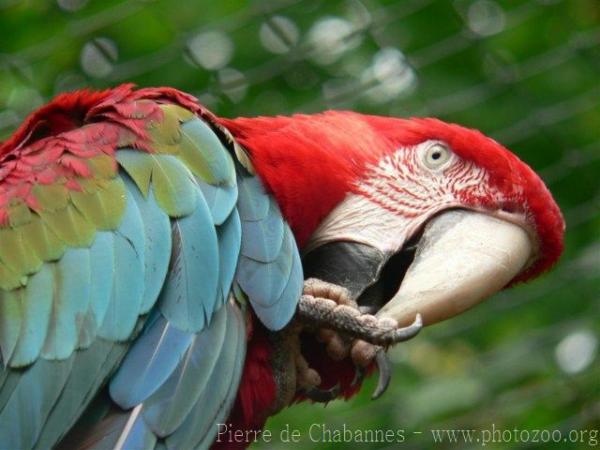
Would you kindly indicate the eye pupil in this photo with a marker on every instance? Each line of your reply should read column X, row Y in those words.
column 436, row 156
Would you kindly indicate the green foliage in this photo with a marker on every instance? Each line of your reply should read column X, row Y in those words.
column 523, row 71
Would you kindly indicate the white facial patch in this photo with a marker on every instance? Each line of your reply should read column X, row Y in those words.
column 358, row 219
column 399, row 194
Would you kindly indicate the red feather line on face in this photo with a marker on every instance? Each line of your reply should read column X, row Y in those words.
column 311, row 163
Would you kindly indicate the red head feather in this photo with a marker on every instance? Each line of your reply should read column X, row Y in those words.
column 311, row 163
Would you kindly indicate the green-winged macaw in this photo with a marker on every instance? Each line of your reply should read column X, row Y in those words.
column 164, row 270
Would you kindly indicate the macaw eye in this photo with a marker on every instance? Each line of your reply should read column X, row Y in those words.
column 436, row 156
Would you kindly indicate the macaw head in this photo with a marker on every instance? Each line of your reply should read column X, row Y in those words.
column 410, row 215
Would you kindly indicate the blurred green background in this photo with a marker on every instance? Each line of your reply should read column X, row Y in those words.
column 525, row 72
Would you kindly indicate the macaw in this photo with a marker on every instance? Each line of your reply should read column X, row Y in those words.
column 164, row 270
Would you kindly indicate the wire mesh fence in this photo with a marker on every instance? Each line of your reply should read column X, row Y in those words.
column 525, row 72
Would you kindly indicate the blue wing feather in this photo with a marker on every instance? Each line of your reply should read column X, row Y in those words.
column 11, row 317
column 102, row 268
column 71, row 301
column 279, row 313
column 157, row 248
column 224, row 379
column 32, row 399
column 264, row 282
column 220, row 200
column 189, row 296
column 253, row 202
column 128, row 283
column 90, row 367
column 136, row 435
column 150, row 361
column 38, row 303
column 221, row 415
column 230, row 238
column 166, row 409
column 263, row 238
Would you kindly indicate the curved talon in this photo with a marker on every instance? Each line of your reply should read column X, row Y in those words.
column 359, row 375
column 385, row 373
column 406, row 333
column 323, row 395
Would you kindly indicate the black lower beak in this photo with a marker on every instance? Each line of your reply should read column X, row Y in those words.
column 349, row 264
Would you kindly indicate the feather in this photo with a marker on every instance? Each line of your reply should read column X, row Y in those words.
column 113, row 429
column 173, row 186
column 102, row 267
column 205, row 155
column 89, row 366
column 263, row 238
column 41, row 240
column 19, row 214
column 150, row 361
column 102, row 166
column 253, row 203
column 128, row 281
column 220, row 200
column 70, row 226
column 189, row 296
column 135, row 434
column 52, row 197
column 227, row 402
column 72, row 277
column 264, row 282
column 157, row 248
column 37, row 307
column 9, row 279
column 16, row 253
column 10, row 380
column 278, row 314
column 138, row 166
column 102, row 260
column 165, row 410
column 24, row 414
column 96, row 406
column 11, row 318
column 166, row 132
column 217, row 397
column 104, row 207
column 87, row 330
column 230, row 237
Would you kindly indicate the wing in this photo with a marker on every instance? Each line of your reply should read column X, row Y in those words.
column 120, row 247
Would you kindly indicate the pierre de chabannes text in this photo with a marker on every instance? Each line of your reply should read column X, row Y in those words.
column 321, row 432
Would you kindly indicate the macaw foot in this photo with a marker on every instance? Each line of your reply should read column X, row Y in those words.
column 348, row 331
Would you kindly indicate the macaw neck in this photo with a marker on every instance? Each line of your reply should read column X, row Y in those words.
column 310, row 163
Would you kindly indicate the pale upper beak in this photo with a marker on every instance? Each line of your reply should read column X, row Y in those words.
column 462, row 258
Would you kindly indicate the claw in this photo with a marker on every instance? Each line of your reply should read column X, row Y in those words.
column 359, row 375
column 404, row 334
column 323, row 395
column 385, row 373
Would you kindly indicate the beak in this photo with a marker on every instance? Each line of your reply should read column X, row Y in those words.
column 462, row 258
